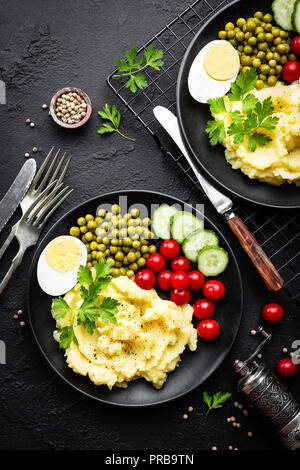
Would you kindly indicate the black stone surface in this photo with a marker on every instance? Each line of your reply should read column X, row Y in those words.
column 43, row 47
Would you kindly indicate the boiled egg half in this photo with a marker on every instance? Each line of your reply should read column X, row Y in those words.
column 58, row 264
column 215, row 67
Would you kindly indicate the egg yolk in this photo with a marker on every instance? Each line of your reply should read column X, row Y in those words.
column 221, row 61
column 63, row 254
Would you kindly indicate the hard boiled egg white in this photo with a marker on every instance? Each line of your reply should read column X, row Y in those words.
column 58, row 264
column 215, row 67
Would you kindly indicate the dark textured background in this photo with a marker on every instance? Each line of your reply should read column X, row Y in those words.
column 45, row 45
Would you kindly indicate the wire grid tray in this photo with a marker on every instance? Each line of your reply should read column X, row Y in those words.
column 278, row 232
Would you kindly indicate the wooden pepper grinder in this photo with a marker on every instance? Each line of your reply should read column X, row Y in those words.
column 268, row 395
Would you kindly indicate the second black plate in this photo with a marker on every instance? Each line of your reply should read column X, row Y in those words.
column 193, row 117
column 194, row 368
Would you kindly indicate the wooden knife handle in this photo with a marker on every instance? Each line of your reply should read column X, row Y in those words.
column 266, row 269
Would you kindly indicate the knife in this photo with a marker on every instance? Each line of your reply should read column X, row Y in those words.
column 224, row 206
column 17, row 191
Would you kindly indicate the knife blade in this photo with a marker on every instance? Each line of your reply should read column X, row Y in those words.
column 17, row 191
column 170, row 123
column 223, row 205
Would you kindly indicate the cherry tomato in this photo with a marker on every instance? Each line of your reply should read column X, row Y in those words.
column 180, row 280
column 164, row 279
column 180, row 297
column 181, row 264
column 208, row 329
column 213, row 290
column 196, row 280
column 203, row 309
column 295, row 45
column 145, row 279
column 286, row 368
column 170, row 249
column 273, row 313
column 156, row 262
column 291, row 71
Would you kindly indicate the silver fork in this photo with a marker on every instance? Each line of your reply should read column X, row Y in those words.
column 33, row 222
column 36, row 188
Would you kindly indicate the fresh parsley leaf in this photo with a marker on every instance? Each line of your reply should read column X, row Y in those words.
column 59, row 307
column 134, row 66
column 109, row 310
column 216, row 132
column 249, row 103
column 84, row 275
column 236, row 130
column 103, row 268
column 217, row 105
column 244, row 83
column 66, row 336
column 87, row 316
column 112, row 115
column 215, row 401
column 257, row 138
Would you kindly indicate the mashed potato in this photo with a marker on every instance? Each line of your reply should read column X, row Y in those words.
column 146, row 341
column 278, row 161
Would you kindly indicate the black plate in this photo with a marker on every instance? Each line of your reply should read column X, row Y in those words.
column 194, row 368
column 193, row 117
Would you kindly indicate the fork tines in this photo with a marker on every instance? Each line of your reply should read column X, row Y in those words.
column 41, row 178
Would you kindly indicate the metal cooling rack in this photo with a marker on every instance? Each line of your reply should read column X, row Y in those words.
column 278, row 232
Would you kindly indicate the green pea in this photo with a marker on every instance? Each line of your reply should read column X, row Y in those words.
column 246, row 60
column 283, row 59
column 119, row 256
column 98, row 220
column 127, row 241
column 267, row 18
column 115, row 208
column 99, row 255
column 125, row 260
column 131, row 257
column 115, row 272
column 251, row 25
column 272, row 80
column 144, row 249
column 93, row 246
column 74, row 231
column 91, row 225
column 130, row 273
column 94, row 254
column 233, row 42
column 105, row 240
column 101, row 212
column 134, row 212
column 241, row 22
column 272, row 71
column 248, row 50
column 88, row 247
column 136, row 244
column 256, row 63
column 152, row 249
column 83, row 229
column 131, row 230
column 101, row 247
column 133, row 266
column 267, row 27
column 122, row 271
column 276, row 42
column 252, row 41
column 81, row 221
column 248, row 35
column 89, row 236
column 110, row 259
column 269, row 37
column 113, row 249
column 107, row 252
column 229, row 26
column 89, row 217
column 89, row 265
column 261, row 55
column 264, row 69
column 278, row 69
column 230, row 34
column 292, row 57
column 263, row 46
column 258, row 30
column 141, row 262
column 276, row 56
column 222, row 35
column 259, row 15
column 240, row 36
column 272, row 63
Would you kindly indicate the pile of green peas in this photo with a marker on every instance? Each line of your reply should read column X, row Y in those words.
column 261, row 45
column 123, row 239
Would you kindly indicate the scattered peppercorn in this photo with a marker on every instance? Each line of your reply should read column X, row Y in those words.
column 26, row 155
column 32, row 124
column 284, row 350
column 253, row 332
column 27, row 121
column 35, row 149
column 22, row 323
column 214, row 448
column 250, row 434
column 190, row 409
column 185, row 416
column 44, row 106
column 19, row 312
column 15, row 317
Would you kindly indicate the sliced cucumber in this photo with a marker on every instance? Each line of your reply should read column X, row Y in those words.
column 283, row 11
column 198, row 240
column 183, row 224
column 296, row 16
column 161, row 221
column 212, row 260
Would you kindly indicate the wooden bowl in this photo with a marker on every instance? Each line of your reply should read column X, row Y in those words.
column 88, row 109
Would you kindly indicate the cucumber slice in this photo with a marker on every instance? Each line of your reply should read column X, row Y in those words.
column 283, row 11
column 198, row 240
column 296, row 16
column 183, row 224
column 161, row 221
column 212, row 260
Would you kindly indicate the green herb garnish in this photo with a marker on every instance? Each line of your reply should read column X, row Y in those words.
column 133, row 67
column 215, row 401
column 90, row 310
column 256, row 116
column 114, row 117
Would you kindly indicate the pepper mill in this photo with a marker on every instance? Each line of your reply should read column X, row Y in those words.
column 267, row 394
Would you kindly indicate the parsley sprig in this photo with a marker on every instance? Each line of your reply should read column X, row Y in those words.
column 256, row 116
column 134, row 65
column 90, row 310
column 216, row 400
column 114, row 116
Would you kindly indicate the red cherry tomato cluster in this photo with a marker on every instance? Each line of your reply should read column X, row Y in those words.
column 286, row 368
column 291, row 69
column 180, row 281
